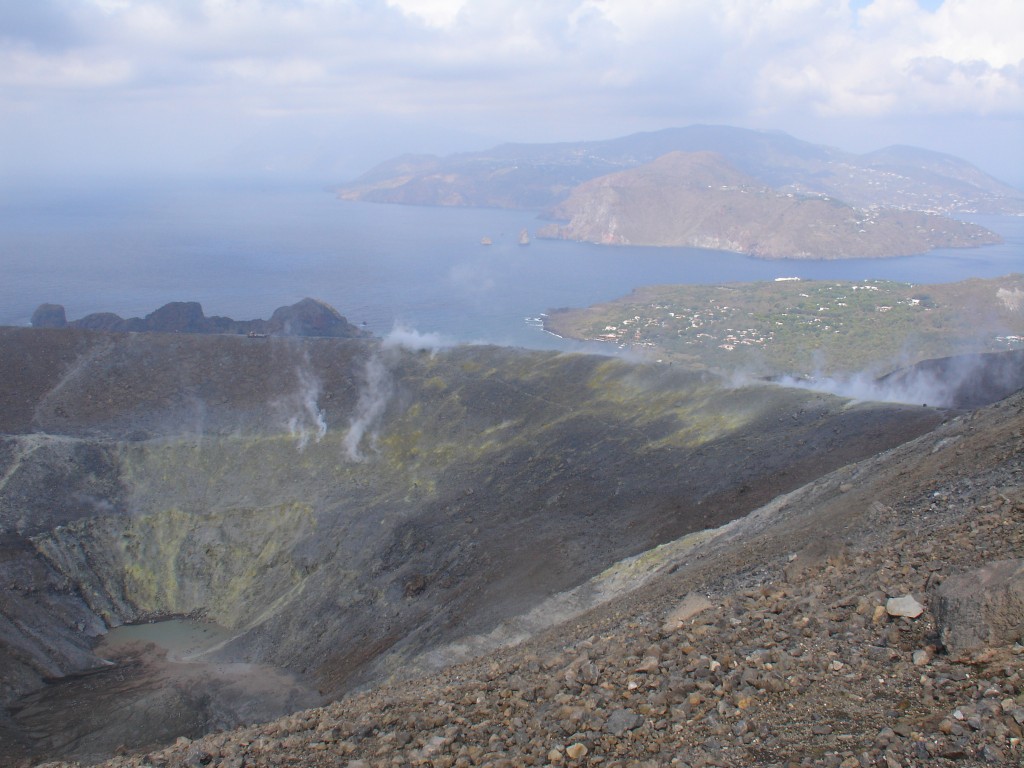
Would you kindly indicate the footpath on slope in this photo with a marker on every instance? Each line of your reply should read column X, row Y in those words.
column 797, row 661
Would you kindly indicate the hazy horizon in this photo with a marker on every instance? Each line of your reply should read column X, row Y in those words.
column 325, row 89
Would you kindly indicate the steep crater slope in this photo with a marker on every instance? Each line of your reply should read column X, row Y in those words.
column 768, row 642
column 342, row 506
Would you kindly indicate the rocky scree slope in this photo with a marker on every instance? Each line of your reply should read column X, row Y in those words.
column 348, row 510
column 784, row 640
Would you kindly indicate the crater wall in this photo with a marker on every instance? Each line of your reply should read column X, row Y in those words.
column 344, row 506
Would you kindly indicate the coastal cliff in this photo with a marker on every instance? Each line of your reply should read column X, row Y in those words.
column 698, row 200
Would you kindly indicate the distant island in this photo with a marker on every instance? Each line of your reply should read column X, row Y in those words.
column 765, row 194
column 308, row 317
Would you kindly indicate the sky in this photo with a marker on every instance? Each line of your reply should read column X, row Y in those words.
column 325, row 89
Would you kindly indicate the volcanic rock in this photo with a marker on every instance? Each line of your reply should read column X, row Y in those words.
column 527, row 489
column 176, row 317
column 105, row 321
column 49, row 316
column 308, row 317
column 904, row 606
column 691, row 605
column 982, row 608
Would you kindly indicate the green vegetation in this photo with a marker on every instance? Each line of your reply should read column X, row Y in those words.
column 806, row 327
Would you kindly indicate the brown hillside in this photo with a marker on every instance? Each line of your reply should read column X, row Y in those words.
column 698, row 200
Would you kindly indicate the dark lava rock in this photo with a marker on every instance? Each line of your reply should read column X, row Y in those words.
column 49, row 316
column 981, row 608
column 622, row 720
column 309, row 317
column 177, row 317
column 102, row 321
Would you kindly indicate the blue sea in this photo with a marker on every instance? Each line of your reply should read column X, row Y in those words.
column 243, row 250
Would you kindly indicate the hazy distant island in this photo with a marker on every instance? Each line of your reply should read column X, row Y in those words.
column 309, row 317
column 697, row 200
column 765, row 194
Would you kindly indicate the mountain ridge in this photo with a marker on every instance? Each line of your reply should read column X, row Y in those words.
column 539, row 176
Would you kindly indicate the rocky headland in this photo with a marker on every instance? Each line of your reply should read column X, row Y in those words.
column 308, row 317
column 698, row 200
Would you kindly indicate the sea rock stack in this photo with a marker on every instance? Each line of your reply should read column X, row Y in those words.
column 309, row 317
column 49, row 316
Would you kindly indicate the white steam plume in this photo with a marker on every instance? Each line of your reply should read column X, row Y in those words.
column 411, row 339
column 304, row 418
column 378, row 385
column 373, row 399
column 921, row 390
column 953, row 382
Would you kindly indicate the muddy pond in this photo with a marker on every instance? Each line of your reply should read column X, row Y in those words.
column 156, row 687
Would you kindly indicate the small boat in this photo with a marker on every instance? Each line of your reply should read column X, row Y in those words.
column 524, row 237
column 486, row 241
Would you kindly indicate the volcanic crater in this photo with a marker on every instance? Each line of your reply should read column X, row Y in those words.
column 348, row 511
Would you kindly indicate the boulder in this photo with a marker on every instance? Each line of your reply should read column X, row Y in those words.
column 904, row 606
column 622, row 720
column 693, row 604
column 983, row 608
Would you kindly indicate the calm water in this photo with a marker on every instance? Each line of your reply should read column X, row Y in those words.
column 183, row 639
column 243, row 251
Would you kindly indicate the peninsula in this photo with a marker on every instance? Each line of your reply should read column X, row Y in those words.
column 766, row 194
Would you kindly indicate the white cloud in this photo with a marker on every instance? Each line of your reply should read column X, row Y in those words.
column 517, row 69
column 436, row 13
column 23, row 67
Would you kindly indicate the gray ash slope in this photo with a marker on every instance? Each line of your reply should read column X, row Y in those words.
column 796, row 660
column 353, row 510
